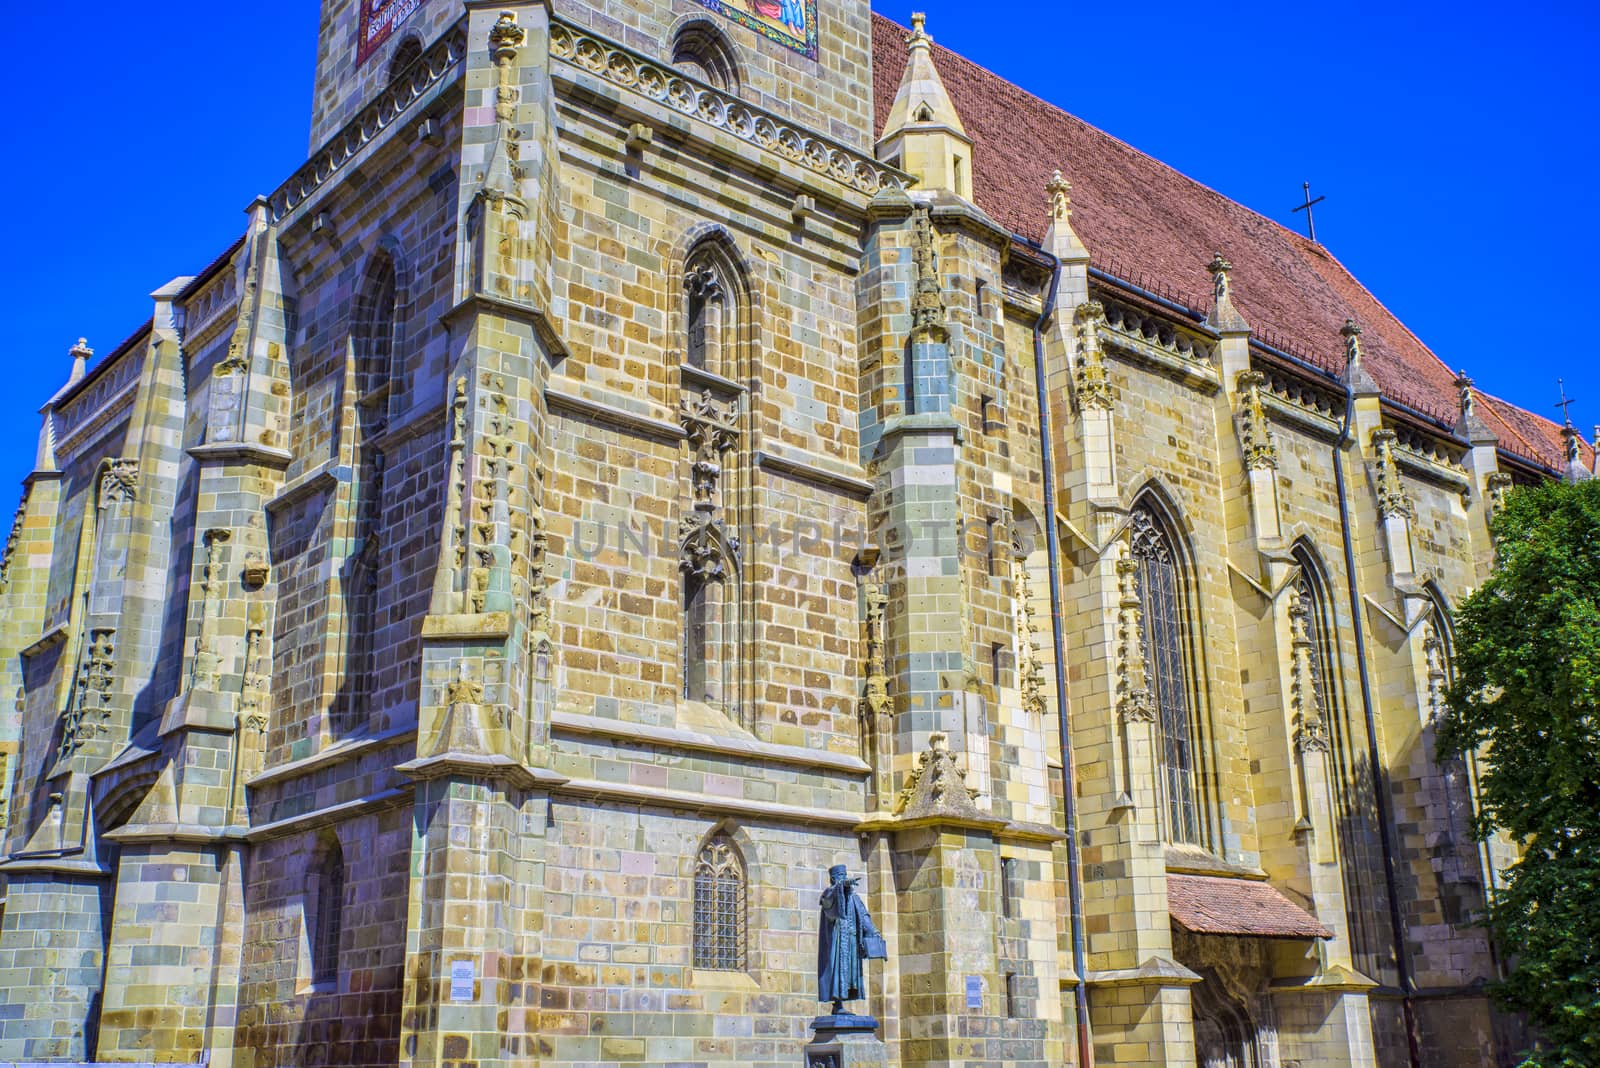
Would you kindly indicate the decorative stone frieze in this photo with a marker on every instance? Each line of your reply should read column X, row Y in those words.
column 634, row 73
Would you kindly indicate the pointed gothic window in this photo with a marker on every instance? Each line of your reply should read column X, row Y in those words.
column 327, row 915
column 712, row 411
column 719, row 906
column 1354, row 798
column 1162, row 596
column 372, row 341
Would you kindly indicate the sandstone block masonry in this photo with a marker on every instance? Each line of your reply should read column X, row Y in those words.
column 605, row 487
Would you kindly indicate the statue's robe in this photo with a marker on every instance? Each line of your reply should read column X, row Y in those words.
column 840, row 944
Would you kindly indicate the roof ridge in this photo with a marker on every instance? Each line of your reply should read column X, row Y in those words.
column 1197, row 183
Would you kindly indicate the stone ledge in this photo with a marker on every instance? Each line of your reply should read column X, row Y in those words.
column 324, row 476
column 678, row 738
column 331, row 814
column 244, row 452
column 338, row 752
column 1157, row 971
column 610, row 415
column 467, row 627
column 693, row 802
column 45, row 642
column 815, row 472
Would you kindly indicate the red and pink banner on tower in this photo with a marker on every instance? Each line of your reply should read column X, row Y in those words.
column 378, row 21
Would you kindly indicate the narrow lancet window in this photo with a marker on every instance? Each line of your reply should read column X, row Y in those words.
column 1161, row 594
column 327, row 916
column 719, row 907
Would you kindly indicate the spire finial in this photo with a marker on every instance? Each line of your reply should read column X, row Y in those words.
column 80, row 353
column 1219, row 269
column 1060, row 191
column 919, row 29
column 1351, row 333
column 1463, row 384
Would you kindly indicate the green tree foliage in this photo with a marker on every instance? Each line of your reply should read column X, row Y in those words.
column 1527, row 698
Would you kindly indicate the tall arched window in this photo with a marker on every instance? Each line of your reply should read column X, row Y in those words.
column 1164, row 601
column 719, row 906
column 715, row 329
column 372, row 340
column 1355, row 800
column 327, row 914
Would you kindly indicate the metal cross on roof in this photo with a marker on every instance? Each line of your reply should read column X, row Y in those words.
column 1566, row 403
column 1311, row 223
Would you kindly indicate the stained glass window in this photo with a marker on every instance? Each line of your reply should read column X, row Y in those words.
column 1162, row 597
column 719, row 907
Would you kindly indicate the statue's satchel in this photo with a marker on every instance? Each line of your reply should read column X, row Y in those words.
column 873, row 948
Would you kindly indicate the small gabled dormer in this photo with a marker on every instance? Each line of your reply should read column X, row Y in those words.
column 923, row 134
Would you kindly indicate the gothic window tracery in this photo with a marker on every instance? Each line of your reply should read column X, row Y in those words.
column 1353, row 783
column 719, row 906
column 1165, row 618
column 712, row 411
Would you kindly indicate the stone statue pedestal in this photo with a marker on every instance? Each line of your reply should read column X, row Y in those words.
column 845, row 1040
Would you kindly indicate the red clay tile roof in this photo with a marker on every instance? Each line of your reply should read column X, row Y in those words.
column 1144, row 222
column 1209, row 904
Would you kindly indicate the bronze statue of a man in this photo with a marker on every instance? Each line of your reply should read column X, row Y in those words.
column 846, row 936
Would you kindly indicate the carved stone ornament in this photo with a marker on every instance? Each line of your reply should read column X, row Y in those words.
column 937, row 786
column 120, row 482
column 705, row 547
column 876, row 700
column 505, row 37
column 927, row 303
column 1311, row 733
column 1030, row 665
column 1090, row 386
column 1498, row 484
column 1134, row 704
column 711, row 429
column 1255, row 434
column 89, row 709
column 1438, row 673
column 463, row 689
column 1392, row 497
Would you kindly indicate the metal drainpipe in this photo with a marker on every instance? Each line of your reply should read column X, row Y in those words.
column 1058, row 645
column 1380, row 778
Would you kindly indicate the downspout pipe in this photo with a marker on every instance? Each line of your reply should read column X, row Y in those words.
column 1052, row 538
column 1380, row 775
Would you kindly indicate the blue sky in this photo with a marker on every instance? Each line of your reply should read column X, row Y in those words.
column 1456, row 146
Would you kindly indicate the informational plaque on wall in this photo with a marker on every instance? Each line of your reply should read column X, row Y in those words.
column 974, row 992
column 378, row 21
column 463, row 975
